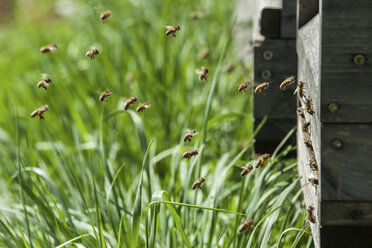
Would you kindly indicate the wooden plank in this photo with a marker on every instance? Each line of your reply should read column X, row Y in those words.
column 346, row 171
column 346, row 236
column 346, row 32
column 259, row 5
column 351, row 213
column 288, row 20
column 306, row 10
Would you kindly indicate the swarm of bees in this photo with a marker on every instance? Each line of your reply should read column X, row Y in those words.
column 105, row 94
column 188, row 136
column 190, row 154
column 197, row 184
column 262, row 88
column 203, row 73
column 92, row 53
column 245, row 225
column 44, row 83
column 129, row 102
column 143, row 106
column 172, row 30
column 243, row 86
column 105, row 15
column 39, row 112
column 48, row 48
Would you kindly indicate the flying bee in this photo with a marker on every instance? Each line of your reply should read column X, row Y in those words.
column 105, row 15
column 188, row 136
column 287, row 82
column 262, row 159
column 105, row 94
column 143, row 106
column 172, row 30
column 313, row 181
column 189, row 154
column 44, row 83
column 243, row 86
column 39, row 112
column 92, row 53
column 309, row 145
column 48, row 48
column 205, row 53
column 203, row 73
column 197, row 184
column 247, row 169
column 129, row 102
column 196, row 15
column 300, row 112
column 300, row 89
column 309, row 106
column 309, row 214
column 313, row 164
column 229, row 68
column 245, row 225
column 261, row 88
column 306, row 127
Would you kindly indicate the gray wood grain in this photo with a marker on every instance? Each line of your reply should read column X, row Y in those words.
column 288, row 20
column 306, row 10
column 351, row 213
column 259, row 5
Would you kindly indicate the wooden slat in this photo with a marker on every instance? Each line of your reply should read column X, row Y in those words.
column 288, row 20
column 351, row 213
column 346, row 236
column 306, row 10
column 259, row 5
column 346, row 31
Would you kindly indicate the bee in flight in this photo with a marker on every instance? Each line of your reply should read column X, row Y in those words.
column 309, row 214
column 48, row 48
column 247, row 169
column 197, row 184
column 44, row 83
column 39, row 112
column 309, row 106
column 300, row 89
column 203, row 73
column 105, row 15
column 229, row 68
column 262, row 159
column 243, row 86
column 143, row 106
column 287, row 82
column 92, row 53
column 188, row 136
column 205, row 53
column 172, row 30
column 129, row 102
column 245, row 225
column 105, row 94
column 196, row 15
column 261, row 88
column 189, row 154
column 306, row 127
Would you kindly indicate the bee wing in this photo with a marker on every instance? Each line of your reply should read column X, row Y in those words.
column 197, row 71
column 147, row 105
column 167, row 27
column 194, row 132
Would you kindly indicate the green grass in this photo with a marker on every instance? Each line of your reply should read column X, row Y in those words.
column 94, row 175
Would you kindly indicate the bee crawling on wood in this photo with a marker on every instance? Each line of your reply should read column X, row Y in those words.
column 245, row 225
column 196, row 15
column 189, row 154
column 309, row 145
column 143, row 106
column 309, row 106
column 197, row 184
column 105, row 15
column 172, row 30
column 313, row 181
column 39, row 112
column 309, row 214
column 243, row 86
column 105, row 94
column 313, row 164
column 92, row 53
column 300, row 89
column 203, row 73
column 188, row 136
column 48, row 48
column 287, row 82
column 300, row 112
column 129, row 102
column 306, row 127
column 44, row 83
column 246, row 169
column 262, row 159
column 261, row 88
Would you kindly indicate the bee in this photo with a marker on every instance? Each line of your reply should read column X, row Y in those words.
column 205, row 54
column 309, row 214
column 196, row 15
column 262, row 159
column 300, row 89
column 203, row 73
column 305, row 127
column 197, row 184
column 245, row 225
column 105, row 94
column 44, row 83
column 143, row 106
column 189, row 154
column 246, row 170
column 129, row 102
column 92, row 53
column 48, row 48
column 313, row 181
column 300, row 112
column 287, row 82
column 229, row 68
column 189, row 135
column 313, row 164
column 105, row 15
column 39, row 112
column 309, row 106
column 243, row 86
column 261, row 88
column 172, row 30
column 309, row 145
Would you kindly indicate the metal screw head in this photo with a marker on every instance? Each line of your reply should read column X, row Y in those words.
column 266, row 74
column 268, row 55
column 359, row 59
column 332, row 107
column 337, row 144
